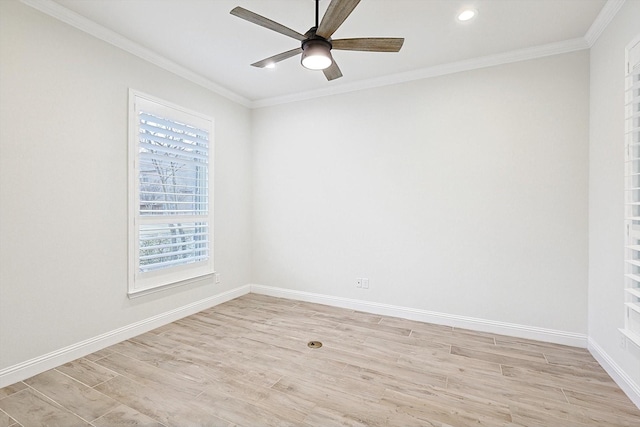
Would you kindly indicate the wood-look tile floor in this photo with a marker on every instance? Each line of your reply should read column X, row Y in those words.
column 246, row 363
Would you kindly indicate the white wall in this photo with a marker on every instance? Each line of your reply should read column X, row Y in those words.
column 606, row 196
column 464, row 194
column 63, row 186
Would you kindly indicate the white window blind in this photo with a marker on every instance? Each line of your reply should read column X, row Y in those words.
column 170, row 194
column 632, row 193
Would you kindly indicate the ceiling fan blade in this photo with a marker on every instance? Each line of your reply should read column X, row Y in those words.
column 247, row 15
column 377, row 44
column 333, row 72
column 335, row 15
column 277, row 58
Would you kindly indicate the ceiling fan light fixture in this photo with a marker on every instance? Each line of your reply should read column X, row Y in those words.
column 316, row 54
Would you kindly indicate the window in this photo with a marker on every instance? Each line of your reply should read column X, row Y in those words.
column 632, row 193
column 170, row 194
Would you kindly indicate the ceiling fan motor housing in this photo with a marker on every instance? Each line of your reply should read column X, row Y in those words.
column 316, row 53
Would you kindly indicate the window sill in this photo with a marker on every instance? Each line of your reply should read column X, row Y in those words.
column 631, row 336
column 209, row 277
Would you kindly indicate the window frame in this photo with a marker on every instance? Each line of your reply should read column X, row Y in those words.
column 141, row 283
column 631, row 329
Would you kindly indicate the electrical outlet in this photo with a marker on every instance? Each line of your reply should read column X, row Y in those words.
column 623, row 341
column 217, row 276
column 365, row 283
column 358, row 283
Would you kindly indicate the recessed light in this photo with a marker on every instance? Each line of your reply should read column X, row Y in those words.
column 467, row 15
column 270, row 65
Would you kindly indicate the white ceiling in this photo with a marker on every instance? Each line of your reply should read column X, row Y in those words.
column 203, row 38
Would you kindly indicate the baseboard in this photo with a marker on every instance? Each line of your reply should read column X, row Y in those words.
column 630, row 387
column 48, row 361
column 483, row 325
column 32, row 367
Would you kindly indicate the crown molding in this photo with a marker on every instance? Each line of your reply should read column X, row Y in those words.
column 63, row 14
column 606, row 15
column 550, row 49
column 67, row 16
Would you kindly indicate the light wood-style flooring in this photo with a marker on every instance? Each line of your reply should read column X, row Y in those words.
column 246, row 363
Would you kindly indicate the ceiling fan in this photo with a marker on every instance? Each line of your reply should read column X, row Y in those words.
column 317, row 43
